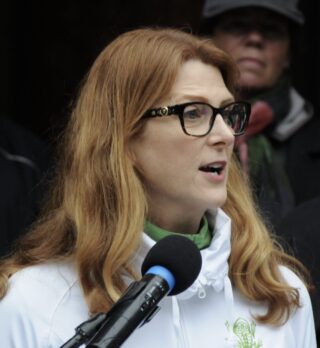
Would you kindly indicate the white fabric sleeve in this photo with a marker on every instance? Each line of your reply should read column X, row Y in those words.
column 302, row 320
column 16, row 328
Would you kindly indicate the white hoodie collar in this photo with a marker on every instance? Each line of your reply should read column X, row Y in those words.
column 214, row 258
column 213, row 274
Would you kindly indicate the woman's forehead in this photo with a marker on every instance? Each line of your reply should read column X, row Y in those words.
column 199, row 81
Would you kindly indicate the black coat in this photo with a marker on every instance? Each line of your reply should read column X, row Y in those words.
column 301, row 229
column 24, row 159
column 290, row 168
column 303, row 161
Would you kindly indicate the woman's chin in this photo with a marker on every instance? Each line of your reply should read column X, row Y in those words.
column 217, row 201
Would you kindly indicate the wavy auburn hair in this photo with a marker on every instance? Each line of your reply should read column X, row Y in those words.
column 97, row 203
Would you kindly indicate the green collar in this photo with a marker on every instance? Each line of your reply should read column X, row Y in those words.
column 202, row 239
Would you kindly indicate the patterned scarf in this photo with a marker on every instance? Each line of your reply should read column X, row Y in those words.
column 257, row 156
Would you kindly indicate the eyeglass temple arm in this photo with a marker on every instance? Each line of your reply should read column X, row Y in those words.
column 160, row 112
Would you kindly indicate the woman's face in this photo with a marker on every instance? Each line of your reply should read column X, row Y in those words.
column 258, row 40
column 172, row 163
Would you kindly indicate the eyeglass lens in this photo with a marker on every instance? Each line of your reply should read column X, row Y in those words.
column 197, row 118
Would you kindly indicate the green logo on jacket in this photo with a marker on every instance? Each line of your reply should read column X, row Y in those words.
column 244, row 333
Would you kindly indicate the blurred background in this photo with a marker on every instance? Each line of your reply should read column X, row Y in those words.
column 48, row 46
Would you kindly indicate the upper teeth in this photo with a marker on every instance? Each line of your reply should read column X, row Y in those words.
column 214, row 168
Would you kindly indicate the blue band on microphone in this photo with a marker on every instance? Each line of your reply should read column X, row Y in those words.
column 163, row 273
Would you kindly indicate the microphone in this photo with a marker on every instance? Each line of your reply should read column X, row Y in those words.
column 169, row 268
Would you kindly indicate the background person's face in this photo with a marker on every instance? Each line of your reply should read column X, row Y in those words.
column 259, row 42
column 170, row 160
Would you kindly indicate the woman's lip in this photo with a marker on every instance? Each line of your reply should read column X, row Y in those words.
column 213, row 177
column 221, row 163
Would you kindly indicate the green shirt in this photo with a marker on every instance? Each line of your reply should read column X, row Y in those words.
column 202, row 239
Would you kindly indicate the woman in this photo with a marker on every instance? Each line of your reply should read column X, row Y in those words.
column 125, row 170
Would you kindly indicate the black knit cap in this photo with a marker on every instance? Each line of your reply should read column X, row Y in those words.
column 287, row 8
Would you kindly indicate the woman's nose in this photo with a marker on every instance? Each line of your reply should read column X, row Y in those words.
column 221, row 132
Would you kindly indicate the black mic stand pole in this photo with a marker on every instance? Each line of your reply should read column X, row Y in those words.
column 136, row 307
column 85, row 331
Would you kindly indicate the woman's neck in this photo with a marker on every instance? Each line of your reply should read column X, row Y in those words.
column 176, row 221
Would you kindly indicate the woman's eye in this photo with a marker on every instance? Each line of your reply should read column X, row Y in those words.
column 229, row 121
column 192, row 114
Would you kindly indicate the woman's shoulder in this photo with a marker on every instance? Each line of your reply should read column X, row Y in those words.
column 40, row 286
column 38, row 298
column 301, row 319
column 55, row 277
column 293, row 280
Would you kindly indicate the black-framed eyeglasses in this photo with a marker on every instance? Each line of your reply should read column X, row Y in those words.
column 197, row 118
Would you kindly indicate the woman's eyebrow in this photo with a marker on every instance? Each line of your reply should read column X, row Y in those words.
column 199, row 98
column 188, row 97
column 227, row 101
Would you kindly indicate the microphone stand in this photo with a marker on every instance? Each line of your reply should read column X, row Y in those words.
column 139, row 303
column 85, row 331
column 137, row 307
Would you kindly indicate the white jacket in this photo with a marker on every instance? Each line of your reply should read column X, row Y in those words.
column 45, row 304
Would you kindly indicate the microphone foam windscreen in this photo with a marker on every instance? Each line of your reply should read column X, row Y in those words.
column 180, row 256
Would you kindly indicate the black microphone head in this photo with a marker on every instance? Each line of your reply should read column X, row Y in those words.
column 180, row 256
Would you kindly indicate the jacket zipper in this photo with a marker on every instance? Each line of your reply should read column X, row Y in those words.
column 184, row 339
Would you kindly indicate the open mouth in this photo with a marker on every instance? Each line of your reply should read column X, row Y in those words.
column 214, row 168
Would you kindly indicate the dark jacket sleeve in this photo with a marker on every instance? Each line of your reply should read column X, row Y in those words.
column 24, row 162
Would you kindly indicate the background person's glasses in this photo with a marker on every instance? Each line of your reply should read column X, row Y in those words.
column 269, row 30
column 197, row 119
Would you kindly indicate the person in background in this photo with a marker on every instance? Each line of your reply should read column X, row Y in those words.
column 280, row 151
column 148, row 152
column 24, row 162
